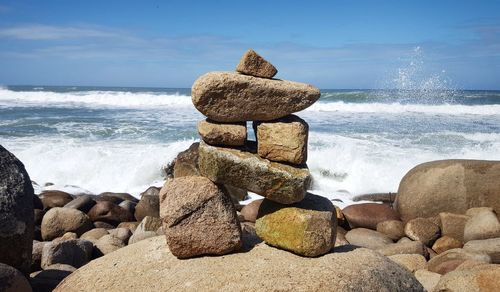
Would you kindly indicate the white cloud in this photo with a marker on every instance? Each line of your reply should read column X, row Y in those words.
column 46, row 32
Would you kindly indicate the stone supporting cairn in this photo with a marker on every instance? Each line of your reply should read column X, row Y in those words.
column 274, row 166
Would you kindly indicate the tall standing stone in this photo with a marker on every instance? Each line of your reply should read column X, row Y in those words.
column 16, row 213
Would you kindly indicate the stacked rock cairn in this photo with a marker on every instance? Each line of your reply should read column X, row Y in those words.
column 198, row 215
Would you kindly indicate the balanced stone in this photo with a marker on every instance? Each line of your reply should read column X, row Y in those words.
column 283, row 140
column 278, row 182
column 16, row 213
column 198, row 218
column 233, row 97
column 306, row 228
column 253, row 64
column 448, row 186
column 215, row 133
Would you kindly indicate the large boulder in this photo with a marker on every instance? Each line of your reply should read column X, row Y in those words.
column 368, row 215
column 12, row 280
column 233, row 97
column 58, row 221
column 478, row 278
column 106, row 211
column 253, row 64
column 198, row 218
column 279, row 182
column 448, row 186
column 116, row 198
column 306, row 228
column 16, row 213
column 48, row 279
column 74, row 252
column 282, row 140
column 216, row 133
column 262, row 268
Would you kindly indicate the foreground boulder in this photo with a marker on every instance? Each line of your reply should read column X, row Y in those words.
column 16, row 213
column 448, row 186
column 484, row 277
column 281, row 183
column 263, row 268
column 11, row 280
column 198, row 218
column 306, row 228
column 233, row 97
column 253, row 64
column 58, row 221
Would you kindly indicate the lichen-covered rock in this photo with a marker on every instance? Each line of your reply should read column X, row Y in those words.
column 262, row 268
column 198, row 218
column 16, row 213
column 306, row 228
column 283, row 140
column 448, row 186
column 253, row 64
column 215, row 133
column 58, row 221
column 281, row 183
column 233, row 97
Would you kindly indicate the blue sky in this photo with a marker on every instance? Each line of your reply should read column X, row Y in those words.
column 331, row 44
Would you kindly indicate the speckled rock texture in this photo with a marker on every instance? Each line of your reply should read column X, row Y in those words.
column 253, row 64
column 215, row 133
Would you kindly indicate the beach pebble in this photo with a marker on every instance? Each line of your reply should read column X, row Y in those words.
column 448, row 186
column 306, row 228
column 51, row 199
column 445, row 243
column 198, row 218
column 83, row 203
column 450, row 259
column 482, row 224
column 453, row 225
column 367, row 238
column 74, row 252
column 489, row 246
column 283, row 140
column 423, row 230
column 109, row 212
column 215, row 133
column 368, row 215
column 233, row 97
column 16, row 213
column 253, row 64
column 250, row 211
column 281, row 183
column 394, row 229
column 12, row 280
column 58, row 221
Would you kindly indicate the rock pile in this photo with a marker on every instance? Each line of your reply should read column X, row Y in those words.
column 273, row 166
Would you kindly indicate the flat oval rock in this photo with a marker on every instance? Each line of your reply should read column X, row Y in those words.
column 233, row 97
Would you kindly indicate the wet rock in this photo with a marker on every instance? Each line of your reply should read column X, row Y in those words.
column 149, row 205
column 278, row 182
column 58, row 221
column 108, row 212
column 116, row 198
column 16, row 213
column 253, row 64
column 186, row 163
column 232, row 97
column 215, row 133
column 129, row 206
column 283, row 140
column 83, row 203
column 198, row 218
column 306, row 228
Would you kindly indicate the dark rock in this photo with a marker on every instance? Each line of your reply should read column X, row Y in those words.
column 386, row 198
column 83, row 203
column 12, row 280
column 128, row 205
column 37, row 202
column 108, row 212
column 16, row 213
column 38, row 216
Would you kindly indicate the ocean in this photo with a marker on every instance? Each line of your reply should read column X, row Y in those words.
column 96, row 139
